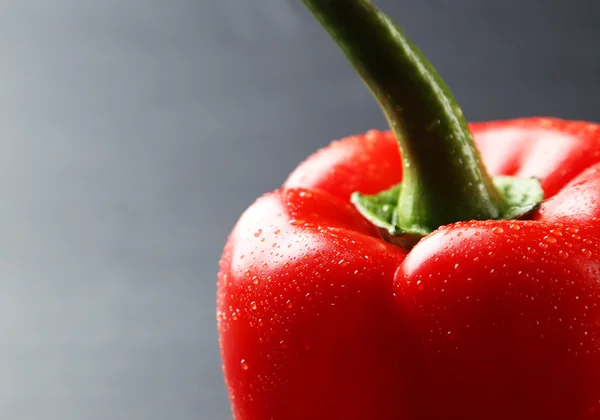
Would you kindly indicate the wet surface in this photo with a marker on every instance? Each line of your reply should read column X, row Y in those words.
column 135, row 132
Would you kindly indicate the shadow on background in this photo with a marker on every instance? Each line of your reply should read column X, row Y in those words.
column 134, row 133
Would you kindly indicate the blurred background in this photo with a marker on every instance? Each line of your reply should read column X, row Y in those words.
column 135, row 132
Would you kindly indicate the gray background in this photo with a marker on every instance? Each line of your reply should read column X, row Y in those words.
column 134, row 133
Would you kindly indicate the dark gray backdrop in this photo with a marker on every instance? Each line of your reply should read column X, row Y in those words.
column 134, row 133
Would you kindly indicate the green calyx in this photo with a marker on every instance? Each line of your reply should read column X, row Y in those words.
column 521, row 195
column 444, row 179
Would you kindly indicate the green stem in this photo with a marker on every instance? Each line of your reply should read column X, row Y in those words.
column 444, row 179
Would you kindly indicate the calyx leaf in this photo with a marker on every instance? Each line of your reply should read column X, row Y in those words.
column 522, row 196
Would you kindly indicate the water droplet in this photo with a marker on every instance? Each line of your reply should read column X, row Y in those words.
column 257, row 233
column 253, row 305
column 515, row 226
column 498, row 230
column 563, row 254
column 289, row 304
column 586, row 252
column 550, row 239
column 244, row 364
column 297, row 222
column 277, row 232
column 255, row 280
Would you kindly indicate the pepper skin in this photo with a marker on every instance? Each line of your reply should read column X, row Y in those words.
column 320, row 318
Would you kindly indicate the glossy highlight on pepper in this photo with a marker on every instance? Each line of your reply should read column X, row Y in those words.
column 323, row 316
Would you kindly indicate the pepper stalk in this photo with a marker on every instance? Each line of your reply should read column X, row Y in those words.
column 444, row 178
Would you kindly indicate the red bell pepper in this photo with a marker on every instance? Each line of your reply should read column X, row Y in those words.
column 445, row 289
